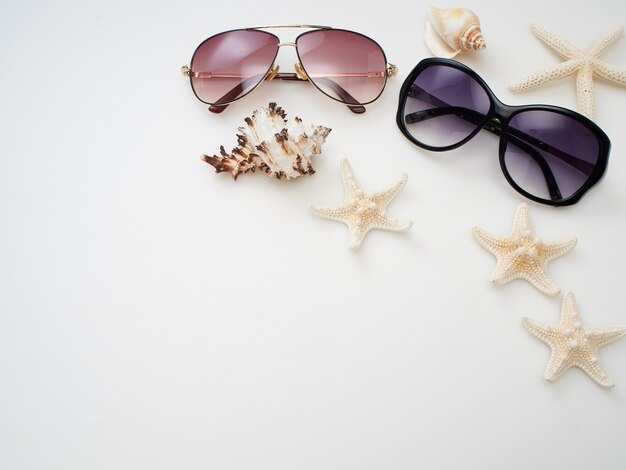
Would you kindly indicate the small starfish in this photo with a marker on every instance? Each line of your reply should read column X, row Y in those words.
column 586, row 63
column 574, row 344
column 362, row 212
column 521, row 255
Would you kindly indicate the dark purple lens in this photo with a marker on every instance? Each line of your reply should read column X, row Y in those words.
column 227, row 66
column 550, row 155
column 444, row 106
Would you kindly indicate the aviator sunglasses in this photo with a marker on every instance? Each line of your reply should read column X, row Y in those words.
column 548, row 154
column 346, row 66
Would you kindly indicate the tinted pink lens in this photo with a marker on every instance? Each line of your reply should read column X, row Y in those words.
column 227, row 66
column 346, row 66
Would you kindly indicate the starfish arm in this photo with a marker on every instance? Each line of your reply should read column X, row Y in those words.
column 541, row 331
column 584, row 91
column 384, row 197
column 341, row 213
column 385, row 222
column 568, row 307
column 603, row 336
column 610, row 73
column 597, row 373
column 490, row 242
column 601, row 44
column 504, row 272
column 552, row 250
column 538, row 276
column 562, row 47
column 557, row 366
column 521, row 221
column 597, row 338
column 349, row 182
column 357, row 234
column 546, row 75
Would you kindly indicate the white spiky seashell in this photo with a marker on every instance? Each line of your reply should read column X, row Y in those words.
column 452, row 30
column 269, row 143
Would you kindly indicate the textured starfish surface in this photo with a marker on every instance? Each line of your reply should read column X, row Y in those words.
column 585, row 63
column 574, row 344
column 521, row 255
column 362, row 212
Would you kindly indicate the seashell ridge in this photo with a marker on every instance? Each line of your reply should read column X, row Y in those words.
column 270, row 143
column 452, row 30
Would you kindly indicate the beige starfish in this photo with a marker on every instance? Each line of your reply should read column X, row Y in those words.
column 574, row 344
column 586, row 63
column 521, row 255
column 362, row 212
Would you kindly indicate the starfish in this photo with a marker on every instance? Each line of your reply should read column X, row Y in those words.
column 585, row 62
column 574, row 344
column 521, row 255
column 362, row 212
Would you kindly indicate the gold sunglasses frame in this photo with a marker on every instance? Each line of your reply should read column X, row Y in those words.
column 299, row 74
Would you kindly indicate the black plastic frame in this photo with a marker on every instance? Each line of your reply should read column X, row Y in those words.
column 357, row 108
column 497, row 120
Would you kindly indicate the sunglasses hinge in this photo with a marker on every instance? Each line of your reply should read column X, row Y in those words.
column 185, row 70
column 391, row 70
column 494, row 125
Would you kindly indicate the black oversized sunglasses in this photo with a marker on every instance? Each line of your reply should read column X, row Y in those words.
column 549, row 154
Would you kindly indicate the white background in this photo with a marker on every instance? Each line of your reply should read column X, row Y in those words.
column 155, row 315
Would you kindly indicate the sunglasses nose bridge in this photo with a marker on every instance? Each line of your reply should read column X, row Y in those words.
column 498, row 117
column 288, row 44
column 494, row 125
column 300, row 73
column 500, row 110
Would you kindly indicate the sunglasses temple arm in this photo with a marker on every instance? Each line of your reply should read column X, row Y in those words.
column 222, row 103
column 343, row 95
column 551, row 184
column 476, row 119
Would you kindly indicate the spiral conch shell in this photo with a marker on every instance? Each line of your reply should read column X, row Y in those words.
column 450, row 31
column 269, row 143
